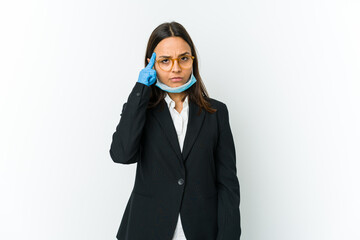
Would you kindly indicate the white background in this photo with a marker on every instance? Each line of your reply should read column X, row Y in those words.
column 289, row 72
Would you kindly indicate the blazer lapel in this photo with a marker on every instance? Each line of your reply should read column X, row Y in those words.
column 166, row 123
column 195, row 122
column 193, row 128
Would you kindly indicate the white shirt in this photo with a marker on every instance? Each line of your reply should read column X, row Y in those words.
column 180, row 121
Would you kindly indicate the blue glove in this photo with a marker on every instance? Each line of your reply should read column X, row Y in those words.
column 147, row 75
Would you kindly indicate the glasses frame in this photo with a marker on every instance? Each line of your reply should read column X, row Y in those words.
column 173, row 60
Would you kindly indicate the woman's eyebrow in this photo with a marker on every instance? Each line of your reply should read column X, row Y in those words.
column 178, row 55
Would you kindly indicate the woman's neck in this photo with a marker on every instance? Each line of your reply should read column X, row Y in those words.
column 176, row 96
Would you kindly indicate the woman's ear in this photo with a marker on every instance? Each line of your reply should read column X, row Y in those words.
column 148, row 60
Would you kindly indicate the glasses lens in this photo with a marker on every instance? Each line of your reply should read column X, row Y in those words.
column 165, row 64
column 185, row 61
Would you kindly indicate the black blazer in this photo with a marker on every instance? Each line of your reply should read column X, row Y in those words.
column 200, row 182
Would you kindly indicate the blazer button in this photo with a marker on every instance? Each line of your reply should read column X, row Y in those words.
column 181, row 181
column 137, row 94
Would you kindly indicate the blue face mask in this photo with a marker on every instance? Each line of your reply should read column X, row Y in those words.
column 178, row 89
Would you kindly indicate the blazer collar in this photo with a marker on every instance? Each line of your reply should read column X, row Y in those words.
column 195, row 122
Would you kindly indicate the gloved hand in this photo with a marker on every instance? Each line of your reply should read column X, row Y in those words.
column 147, row 75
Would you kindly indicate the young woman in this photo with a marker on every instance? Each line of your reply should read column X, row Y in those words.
column 186, row 185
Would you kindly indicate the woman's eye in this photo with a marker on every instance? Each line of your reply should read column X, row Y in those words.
column 164, row 61
column 184, row 58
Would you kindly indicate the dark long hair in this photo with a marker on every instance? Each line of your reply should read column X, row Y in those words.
column 197, row 92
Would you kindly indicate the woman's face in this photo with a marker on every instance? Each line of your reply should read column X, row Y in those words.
column 172, row 47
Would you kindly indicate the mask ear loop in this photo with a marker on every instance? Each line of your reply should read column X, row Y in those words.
column 192, row 73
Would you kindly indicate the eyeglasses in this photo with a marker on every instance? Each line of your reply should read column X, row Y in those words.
column 185, row 62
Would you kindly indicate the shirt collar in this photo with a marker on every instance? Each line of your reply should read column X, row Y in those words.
column 171, row 103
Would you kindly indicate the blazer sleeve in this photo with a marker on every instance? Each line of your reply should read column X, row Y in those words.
column 125, row 146
column 227, row 182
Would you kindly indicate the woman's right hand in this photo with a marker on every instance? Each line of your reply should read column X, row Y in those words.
column 147, row 75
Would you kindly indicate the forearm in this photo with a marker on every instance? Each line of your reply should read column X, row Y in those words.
column 125, row 147
column 227, row 181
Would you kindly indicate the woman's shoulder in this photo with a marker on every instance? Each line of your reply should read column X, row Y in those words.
column 216, row 103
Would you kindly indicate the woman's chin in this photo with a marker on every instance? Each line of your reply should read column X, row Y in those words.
column 175, row 84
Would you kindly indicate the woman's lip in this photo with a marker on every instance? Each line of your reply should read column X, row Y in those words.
column 177, row 79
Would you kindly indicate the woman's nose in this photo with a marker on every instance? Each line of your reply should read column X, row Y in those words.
column 176, row 67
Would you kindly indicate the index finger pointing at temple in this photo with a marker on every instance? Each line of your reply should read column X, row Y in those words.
column 152, row 61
